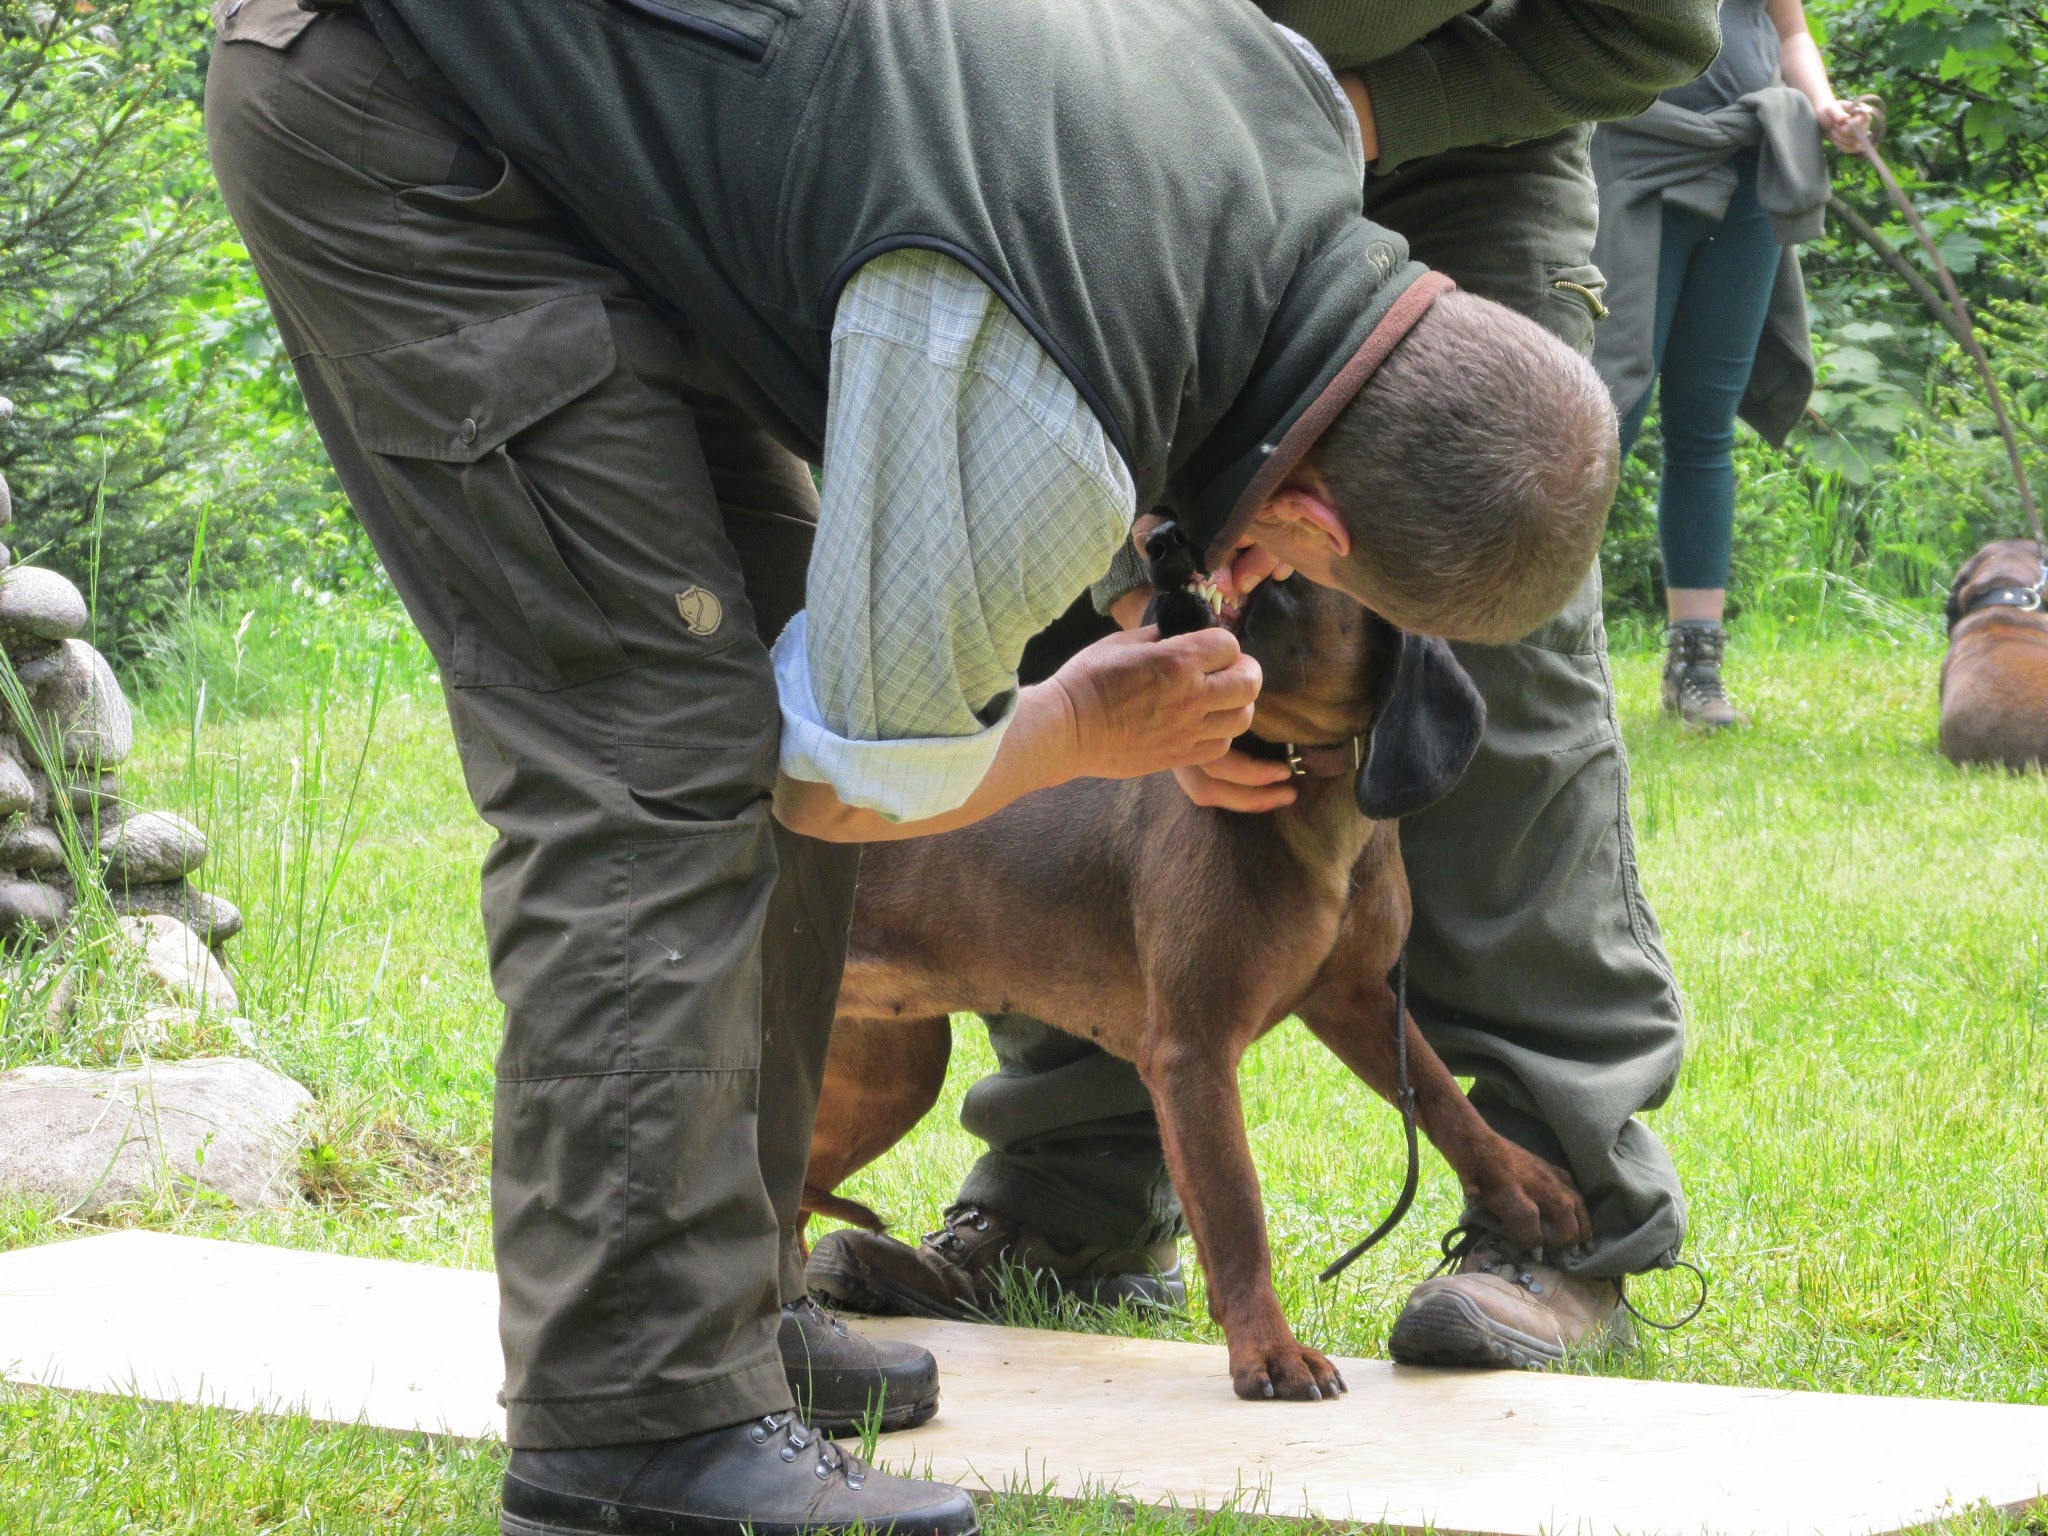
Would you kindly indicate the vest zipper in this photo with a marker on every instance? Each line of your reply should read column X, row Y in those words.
column 714, row 32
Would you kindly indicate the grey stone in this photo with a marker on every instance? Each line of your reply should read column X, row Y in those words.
column 76, row 689
column 28, row 846
column 97, row 795
column 37, row 604
column 87, row 1140
column 214, row 918
column 6, row 503
column 26, row 904
column 151, row 846
column 177, row 959
column 17, row 793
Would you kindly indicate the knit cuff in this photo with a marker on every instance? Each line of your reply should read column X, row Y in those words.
column 1126, row 574
column 1411, row 109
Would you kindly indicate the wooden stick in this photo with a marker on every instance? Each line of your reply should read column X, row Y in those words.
column 1961, row 328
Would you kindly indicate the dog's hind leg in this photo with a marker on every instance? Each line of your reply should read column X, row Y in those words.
column 881, row 1077
column 1535, row 1202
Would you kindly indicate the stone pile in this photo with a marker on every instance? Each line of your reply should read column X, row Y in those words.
column 145, row 858
column 87, row 1139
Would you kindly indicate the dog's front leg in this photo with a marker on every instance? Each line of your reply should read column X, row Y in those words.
column 1536, row 1202
column 1201, row 1121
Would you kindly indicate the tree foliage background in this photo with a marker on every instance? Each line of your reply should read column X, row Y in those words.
column 154, row 415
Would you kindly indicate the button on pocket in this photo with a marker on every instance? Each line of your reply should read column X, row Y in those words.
column 445, row 409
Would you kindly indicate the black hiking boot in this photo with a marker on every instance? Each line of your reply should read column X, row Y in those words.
column 1693, row 690
column 843, row 1380
column 958, row 1271
column 773, row 1477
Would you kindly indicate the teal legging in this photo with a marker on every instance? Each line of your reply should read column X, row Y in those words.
column 1713, row 290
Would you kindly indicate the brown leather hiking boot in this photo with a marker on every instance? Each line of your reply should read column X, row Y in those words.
column 959, row 1272
column 1502, row 1306
column 1693, row 689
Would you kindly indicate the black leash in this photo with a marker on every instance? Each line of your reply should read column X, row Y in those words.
column 1405, row 1099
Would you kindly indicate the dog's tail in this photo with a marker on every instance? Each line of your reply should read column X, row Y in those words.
column 818, row 1202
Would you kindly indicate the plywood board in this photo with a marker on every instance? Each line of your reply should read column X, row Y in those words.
column 413, row 1347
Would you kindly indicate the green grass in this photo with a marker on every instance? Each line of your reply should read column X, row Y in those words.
column 1860, row 930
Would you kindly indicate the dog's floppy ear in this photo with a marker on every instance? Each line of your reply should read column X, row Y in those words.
column 1963, row 579
column 1425, row 731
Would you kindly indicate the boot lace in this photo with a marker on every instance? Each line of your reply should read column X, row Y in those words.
column 1492, row 1253
column 1696, row 656
column 949, row 1239
column 797, row 1437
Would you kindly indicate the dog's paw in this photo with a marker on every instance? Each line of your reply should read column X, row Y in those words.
column 1535, row 1201
column 1290, row 1371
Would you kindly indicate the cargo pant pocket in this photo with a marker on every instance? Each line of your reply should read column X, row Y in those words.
column 443, row 414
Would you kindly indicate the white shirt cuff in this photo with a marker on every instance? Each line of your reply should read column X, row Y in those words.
column 899, row 780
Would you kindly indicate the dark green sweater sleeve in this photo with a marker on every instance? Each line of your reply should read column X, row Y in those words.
column 1441, row 76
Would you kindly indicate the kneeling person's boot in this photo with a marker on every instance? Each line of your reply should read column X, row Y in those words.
column 957, row 1272
column 844, row 1381
column 772, row 1477
column 1502, row 1307
column 1693, row 689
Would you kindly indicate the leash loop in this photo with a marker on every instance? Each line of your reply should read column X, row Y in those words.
column 1405, row 1099
column 1697, row 1307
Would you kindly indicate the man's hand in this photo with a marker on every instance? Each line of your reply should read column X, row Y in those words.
column 1138, row 704
column 1234, row 781
column 1237, row 781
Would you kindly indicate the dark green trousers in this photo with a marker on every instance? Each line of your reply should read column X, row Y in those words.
column 1535, row 965
column 594, row 544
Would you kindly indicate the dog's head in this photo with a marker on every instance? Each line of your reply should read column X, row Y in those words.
column 2003, row 563
column 1335, row 671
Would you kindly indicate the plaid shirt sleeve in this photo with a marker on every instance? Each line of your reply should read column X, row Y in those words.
column 969, row 495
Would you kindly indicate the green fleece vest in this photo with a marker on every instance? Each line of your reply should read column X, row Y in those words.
column 1159, row 189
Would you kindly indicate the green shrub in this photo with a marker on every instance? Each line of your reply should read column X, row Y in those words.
column 152, row 411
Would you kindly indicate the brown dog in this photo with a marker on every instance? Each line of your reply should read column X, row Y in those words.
column 1175, row 936
column 1994, row 680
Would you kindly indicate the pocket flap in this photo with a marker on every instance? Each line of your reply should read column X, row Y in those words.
column 455, row 397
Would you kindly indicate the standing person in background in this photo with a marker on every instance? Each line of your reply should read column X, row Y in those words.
column 1702, row 199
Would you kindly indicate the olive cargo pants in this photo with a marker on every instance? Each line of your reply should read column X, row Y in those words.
column 594, row 544
column 1535, row 965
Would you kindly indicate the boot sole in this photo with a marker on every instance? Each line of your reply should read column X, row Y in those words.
column 510, row 1524
column 1447, row 1329
column 514, row 1525
column 894, row 1417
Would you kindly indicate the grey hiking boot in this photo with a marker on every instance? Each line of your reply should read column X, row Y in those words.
column 1693, row 690
column 1504, row 1307
column 844, row 1381
column 958, row 1271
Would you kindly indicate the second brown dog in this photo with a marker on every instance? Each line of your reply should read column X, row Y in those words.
column 1994, row 680
column 1174, row 936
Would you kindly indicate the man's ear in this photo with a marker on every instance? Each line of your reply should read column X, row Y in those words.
column 1425, row 731
column 1303, row 502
